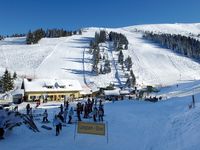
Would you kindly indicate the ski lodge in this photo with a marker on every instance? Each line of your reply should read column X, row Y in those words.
column 51, row 89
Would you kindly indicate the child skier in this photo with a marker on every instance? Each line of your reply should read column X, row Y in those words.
column 45, row 116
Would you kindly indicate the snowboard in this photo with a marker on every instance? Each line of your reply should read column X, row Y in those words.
column 46, row 127
column 45, row 122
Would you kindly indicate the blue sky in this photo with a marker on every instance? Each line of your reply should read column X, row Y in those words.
column 18, row 16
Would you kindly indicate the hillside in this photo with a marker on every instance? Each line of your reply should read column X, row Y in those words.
column 178, row 28
column 68, row 57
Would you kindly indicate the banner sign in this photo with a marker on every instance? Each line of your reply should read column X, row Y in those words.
column 91, row 128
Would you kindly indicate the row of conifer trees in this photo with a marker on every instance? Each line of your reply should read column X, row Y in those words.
column 186, row 45
column 34, row 36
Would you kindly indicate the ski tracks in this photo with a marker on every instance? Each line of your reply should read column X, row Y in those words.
column 52, row 52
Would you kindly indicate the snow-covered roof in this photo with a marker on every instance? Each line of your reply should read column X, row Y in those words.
column 111, row 92
column 50, row 85
column 86, row 91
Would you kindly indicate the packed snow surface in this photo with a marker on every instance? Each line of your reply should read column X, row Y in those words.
column 131, row 124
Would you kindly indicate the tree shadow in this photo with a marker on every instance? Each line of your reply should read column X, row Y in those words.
column 78, row 60
column 80, row 72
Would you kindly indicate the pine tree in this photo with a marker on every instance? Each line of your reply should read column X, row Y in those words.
column 131, row 81
column 101, row 69
column 133, row 78
column 74, row 32
column 126, row 46
column 121, row 58
column 119, row 47
column 95, row 69
column 14, row 75
column 107, row 68
column 128, row 63
column 97, row 37
column 80, row 32
column 128, row 82
column 7, row 81
column 102, row 36
column 29, row 38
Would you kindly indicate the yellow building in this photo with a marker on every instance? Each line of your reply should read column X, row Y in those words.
column 51, row 89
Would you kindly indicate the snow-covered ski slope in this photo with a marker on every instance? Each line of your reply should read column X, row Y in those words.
column 178, row 28
column 68, row 57
column 132, row 124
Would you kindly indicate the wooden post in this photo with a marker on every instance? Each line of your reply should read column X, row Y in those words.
column 107, row 131
column 75, row 131
column 193, row 101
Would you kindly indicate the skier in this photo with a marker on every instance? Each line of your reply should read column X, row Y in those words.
column 78, row 110
column 94, row 112
column 60, row 117
column 102, row 109
column 61, row 109
column 45, row 116
column 67, row 105
column 82, row 106
column 71, row 113
column 65, row 115
column 31, row 113
column 37, row 104
column 100, row 102
column 86, row 111
column 28, row 107
column 100, row 113
column 56, row 123
column 95, row 103
column 64, row 102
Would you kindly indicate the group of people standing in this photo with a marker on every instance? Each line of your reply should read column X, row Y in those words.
column 89, row 109
column 92, row 108
column 61, row 117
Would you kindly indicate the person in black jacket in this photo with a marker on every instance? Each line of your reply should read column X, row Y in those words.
column 61, row 118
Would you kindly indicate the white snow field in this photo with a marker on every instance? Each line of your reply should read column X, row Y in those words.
column 139, row 125
column 132, row 124
column 68, row 57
